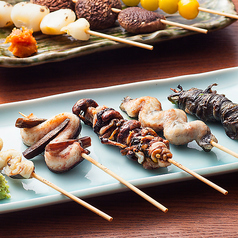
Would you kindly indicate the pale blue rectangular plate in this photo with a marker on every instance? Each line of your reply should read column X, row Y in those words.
column 86, row 180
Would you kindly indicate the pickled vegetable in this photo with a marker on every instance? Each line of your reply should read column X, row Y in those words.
column 23, row 44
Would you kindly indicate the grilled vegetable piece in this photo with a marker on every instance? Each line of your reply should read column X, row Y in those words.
column 28, row 122
column 98, row 12
column 55, row 5
column 208, row 105
column 137, row 143
column 137, row 20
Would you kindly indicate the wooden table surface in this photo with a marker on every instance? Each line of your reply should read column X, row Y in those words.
column 195, row 210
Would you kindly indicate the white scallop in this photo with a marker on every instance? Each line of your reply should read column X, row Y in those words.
column 5, row 14
column 78, row 29
column 55, row 21
column 28, row 15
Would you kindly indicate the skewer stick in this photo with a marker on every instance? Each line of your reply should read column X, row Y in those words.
column 187, row 27
column 123, row 181
column 218, row 188
column 105, row 169
column 166, row 22
column 224, row 149
column 218, row 13
column 121, row 40
column 71, row 196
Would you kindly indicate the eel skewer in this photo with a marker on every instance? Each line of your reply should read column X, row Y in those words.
column 213, row 107
column 39, row 147
column 14, row 167
column 136, row 142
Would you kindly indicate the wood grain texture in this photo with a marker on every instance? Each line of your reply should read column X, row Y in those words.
column 195, row 209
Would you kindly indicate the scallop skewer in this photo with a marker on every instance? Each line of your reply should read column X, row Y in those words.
column 34, row 150
column 13, row 166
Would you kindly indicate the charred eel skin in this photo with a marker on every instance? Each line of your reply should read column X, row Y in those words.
column 208, row 105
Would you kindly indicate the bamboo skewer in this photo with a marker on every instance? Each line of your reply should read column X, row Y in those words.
column 71, row 196
column 166, row 22
column 127, row 184
column 121, row 40
column 105, row 169
column 218, row 12
column 211, row 184
column 224, row 149
column 187, row 27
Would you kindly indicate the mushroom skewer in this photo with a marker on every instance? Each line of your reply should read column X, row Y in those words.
column 39, row 146
column 136, row 142
column 80, row 30
column 139, row 20
column 13, row 166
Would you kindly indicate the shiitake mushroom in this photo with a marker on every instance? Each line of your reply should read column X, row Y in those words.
column 54, row 5
column 138, row 20
column 98, row 12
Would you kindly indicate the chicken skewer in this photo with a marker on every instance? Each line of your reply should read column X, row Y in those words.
column 31, row 121
column 136, row 142
column 13, row 166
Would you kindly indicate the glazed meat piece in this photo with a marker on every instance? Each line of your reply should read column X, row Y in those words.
column 136, row 142
column 63, row 148
column 98, row 12
column 208, row 105
column 54, row 5
column 173, row 122
column 138, row 20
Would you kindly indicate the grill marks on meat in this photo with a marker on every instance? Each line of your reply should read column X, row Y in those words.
column 138, row 20
column 208, row 105
column 58, row 138
column 137, row 143
column 173, row 122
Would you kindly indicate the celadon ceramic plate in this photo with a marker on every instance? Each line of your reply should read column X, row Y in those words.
column 58, row 48
column 86, row 180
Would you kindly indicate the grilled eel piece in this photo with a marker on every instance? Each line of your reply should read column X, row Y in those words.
column 138, row 143
column 208, row 105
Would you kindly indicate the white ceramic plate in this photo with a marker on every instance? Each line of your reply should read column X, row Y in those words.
column 58, row 48
column 86, row 180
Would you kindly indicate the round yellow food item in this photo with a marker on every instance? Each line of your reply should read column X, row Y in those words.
column 169, row 6
column 188, row 8
column 131, row 3
column 150, row 5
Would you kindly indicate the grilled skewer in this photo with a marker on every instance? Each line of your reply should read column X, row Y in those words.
column 138, row 143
